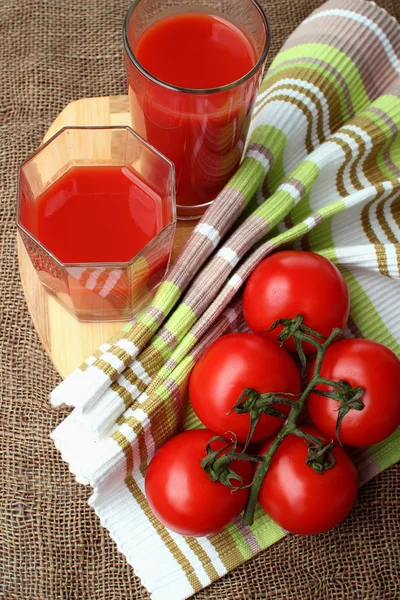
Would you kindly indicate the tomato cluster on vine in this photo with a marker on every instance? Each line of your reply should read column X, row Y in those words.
column 246, row 389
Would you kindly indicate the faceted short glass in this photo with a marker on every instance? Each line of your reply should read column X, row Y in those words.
column 98, row 291
column 203, row 131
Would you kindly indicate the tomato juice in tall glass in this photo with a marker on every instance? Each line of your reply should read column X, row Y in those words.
column 193, row 74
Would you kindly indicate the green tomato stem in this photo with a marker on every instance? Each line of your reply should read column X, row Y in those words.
column 290, row 425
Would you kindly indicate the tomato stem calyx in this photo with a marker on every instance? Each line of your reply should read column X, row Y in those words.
column 320, row 457
column 255, row 404
column 217, row 463
column 295, row 328
column 343, row 392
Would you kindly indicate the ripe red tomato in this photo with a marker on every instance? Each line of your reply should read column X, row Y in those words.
column 291, row 283
column 181, row 494
column 301, row 500
column 231, row 364
column 375, row 368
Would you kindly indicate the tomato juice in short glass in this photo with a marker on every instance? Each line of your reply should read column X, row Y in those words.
column 194, row 70
column 96, row 213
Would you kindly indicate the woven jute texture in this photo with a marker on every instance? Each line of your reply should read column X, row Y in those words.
column 52, row 546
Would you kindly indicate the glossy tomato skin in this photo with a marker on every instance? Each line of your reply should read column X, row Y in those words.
column 376, row 369
column 301, row 500
column 231, row 364
column 181, row 494
column 290, row 283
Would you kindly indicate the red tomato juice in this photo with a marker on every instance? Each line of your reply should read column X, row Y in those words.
column 97, row 214
column 195, row 50
column 202, row 133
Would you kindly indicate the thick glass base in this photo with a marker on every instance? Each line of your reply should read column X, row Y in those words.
column 191, row 213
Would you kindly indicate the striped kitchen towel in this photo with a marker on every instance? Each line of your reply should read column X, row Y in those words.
column 321, row 172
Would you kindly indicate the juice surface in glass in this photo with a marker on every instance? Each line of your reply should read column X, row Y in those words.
column 195, row 50
column 95, row 214
column 200, row 128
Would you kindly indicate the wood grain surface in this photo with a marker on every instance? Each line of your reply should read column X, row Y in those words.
column 67, row 341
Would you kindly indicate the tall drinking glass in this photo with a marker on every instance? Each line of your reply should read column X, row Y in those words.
column 202, row 130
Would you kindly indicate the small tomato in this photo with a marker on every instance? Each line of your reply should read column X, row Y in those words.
column 181, row 494
column 298, row 498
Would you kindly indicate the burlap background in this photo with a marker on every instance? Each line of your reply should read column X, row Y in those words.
column 52, row 546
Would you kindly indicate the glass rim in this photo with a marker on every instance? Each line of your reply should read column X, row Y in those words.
column 123, row 264
column 198, row 91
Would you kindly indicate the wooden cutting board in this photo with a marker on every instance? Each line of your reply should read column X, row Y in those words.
column 67, row 341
